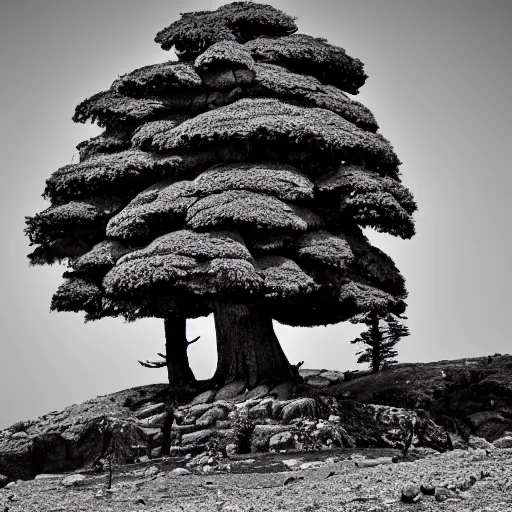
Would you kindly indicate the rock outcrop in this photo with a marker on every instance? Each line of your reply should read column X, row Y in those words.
column 133, row 422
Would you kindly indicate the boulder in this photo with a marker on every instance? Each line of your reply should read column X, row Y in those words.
column 258, row 392
column 204, row 398
column 154, row 421
column 379, row 425
column 150, row 410
column 197, row 410
column 337, row 435
column 185, row 429
column 262, row 411
column 480, row 443
column 211, row 416
column 283, row 391
column 300, row 408
column 281, row 441
column 201, row 436
column 306, row 374
column 69, row 443
column 503, row 442
column 231, row 390
column 262, row 434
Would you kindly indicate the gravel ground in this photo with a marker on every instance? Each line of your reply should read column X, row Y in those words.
column 483, row 482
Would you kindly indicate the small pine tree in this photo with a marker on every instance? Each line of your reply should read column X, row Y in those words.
column 380, row 339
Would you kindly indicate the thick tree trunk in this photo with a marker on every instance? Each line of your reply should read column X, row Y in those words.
column 247, row 347
column 376, row 344
column 176, row 344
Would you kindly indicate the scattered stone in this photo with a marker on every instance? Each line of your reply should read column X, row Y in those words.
column 334, row 419
column 262, row 434
column 428, row 489
column 180, row 472
column 281, row 441
column 231, row 390
column 73, row 480
column 442, row 494
column 151, row 471
column 411, row 493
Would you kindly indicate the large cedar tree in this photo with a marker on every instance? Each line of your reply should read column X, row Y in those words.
column 234, row 181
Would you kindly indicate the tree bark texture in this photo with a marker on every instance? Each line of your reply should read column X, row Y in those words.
column 247, row 347
column 376, row 344
column 176, row 344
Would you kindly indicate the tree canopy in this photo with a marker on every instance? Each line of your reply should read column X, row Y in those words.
column 236, row 180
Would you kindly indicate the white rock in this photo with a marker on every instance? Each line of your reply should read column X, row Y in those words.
column 291, row 462
column 180, row 472
column 312, row 465
column 19, row 435
column 151, row 471
column 73, row 480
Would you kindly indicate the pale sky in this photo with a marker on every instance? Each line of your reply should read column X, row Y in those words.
column 440, row 74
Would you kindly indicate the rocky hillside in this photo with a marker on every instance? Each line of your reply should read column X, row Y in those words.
column 470, row 396
column 436, row 405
